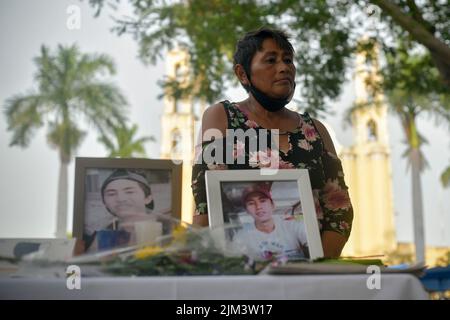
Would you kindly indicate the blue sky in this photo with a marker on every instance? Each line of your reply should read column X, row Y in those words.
column 29, row 176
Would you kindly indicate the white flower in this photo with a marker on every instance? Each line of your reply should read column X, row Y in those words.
column 304, row 145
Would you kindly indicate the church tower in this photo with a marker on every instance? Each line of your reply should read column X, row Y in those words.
column 178, row 127
column 367, row 165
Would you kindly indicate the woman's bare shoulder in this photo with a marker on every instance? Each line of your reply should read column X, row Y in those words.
column 326, row 138
column 214, row 117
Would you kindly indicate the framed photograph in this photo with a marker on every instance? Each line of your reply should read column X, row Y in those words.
column 264, row 215
column 124, row 202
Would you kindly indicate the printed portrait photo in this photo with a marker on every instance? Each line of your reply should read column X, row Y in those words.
column 125, row 206
column 265, row 218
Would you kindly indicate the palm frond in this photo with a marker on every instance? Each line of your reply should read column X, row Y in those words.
column 102, row 104
column 24, row 117
column 125, row 144
column 96, row 64
column 65, row 136
column 47, row 76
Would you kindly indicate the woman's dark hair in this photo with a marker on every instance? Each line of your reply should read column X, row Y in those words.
column 252, row 41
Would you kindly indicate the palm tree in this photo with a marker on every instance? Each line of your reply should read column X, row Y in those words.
column 407, row 109
column 70, row 89
column 127, row 146
column 412, row 86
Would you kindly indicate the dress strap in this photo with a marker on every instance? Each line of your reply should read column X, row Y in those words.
column 232, row 111
column 307, row 116
column 226, row 106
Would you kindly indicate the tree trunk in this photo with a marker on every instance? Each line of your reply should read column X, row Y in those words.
column 61, row 206
column 419, row 235
column 439, row 51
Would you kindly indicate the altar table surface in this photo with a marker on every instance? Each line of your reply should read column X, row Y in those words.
column 259, row 287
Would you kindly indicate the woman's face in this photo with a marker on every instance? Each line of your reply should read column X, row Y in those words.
column 272, row 70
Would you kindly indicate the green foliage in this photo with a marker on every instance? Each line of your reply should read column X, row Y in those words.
column 426, row 23
column 445, row 177
column 410, row 69
column 124, row 145
column 430, row 14
column 325, row 34
column 188, row 251
column 209, row 30
column 182, row 263
column 413, row 87
column 71, row 86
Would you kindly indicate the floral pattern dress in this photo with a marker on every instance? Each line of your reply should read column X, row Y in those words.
column 306, row 151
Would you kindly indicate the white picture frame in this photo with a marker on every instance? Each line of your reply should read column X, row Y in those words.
column 291, row 181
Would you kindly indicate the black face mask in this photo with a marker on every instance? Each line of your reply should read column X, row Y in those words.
column 268, row 103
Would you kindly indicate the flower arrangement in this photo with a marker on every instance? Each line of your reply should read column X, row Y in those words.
column 190, row 250
column 187, row 251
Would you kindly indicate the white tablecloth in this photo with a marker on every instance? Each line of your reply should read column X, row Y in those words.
column 261, row 287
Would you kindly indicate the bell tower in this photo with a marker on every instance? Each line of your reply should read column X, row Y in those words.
column 178, row 126
column 367, row 164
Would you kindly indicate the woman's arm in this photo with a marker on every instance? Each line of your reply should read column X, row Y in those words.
column 79, row 248
column 332, row 244
column 326, row 138
column 333, row 241
column 213, row 118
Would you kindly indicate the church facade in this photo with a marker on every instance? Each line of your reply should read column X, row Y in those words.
column 367, row 167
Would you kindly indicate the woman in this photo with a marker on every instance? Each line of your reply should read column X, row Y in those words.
column 263, row 63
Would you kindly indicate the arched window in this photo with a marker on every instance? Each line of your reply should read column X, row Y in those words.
column 176, row 142
column 372, row 134
column 177, row 71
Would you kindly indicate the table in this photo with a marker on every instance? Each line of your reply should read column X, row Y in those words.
column 260, row 287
